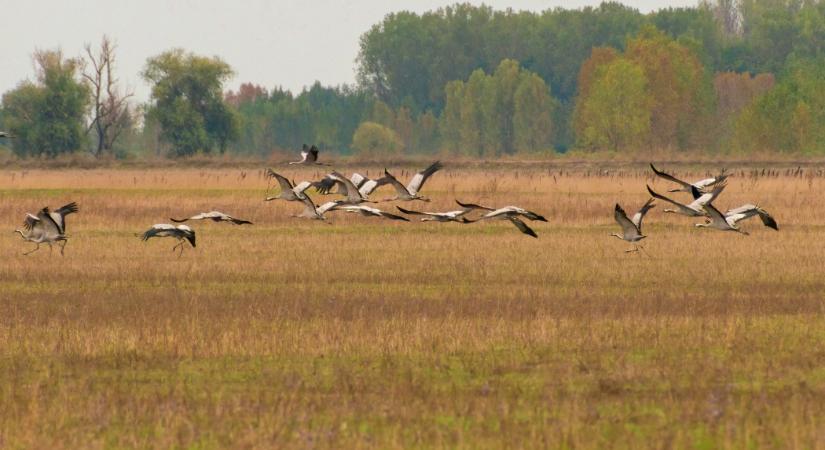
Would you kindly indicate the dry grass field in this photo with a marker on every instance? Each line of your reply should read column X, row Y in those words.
column 367, row 333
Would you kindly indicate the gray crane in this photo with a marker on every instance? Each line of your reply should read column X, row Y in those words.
column 364, row 185
column 410, row 191
column 747, row 211
column 449, row 216
column 511, row 213
column 502, row 213
column 631, row 228
column 348, row 189
column 181, row 232
column 718, row 221
column 288, row 192
column 309, row 156
column 47, row 227
column 368, row 211
column 215, row 216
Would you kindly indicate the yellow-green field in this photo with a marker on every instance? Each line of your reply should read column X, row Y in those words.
column 369, row 333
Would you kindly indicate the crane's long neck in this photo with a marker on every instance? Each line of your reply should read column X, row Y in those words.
column 21, row 233
column 618, row 235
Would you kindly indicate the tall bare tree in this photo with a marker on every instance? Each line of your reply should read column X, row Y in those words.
column 111, row 115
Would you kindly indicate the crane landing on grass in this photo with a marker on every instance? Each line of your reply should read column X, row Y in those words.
column 181, row 232
column 47, row 227
column 631, row 228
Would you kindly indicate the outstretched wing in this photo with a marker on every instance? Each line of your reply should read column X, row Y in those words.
column 325, row 185
column 190, row 236
column 628, row 227
column 746, row 211
column 637, row 218
column 67, row 209
column 156, row 230
column 522, row 227
column 390, row 179
column 415, row 213
column 329, row 206
column 767, row 219
column 373, row 212
column 352, row 194
column 238, row 221
column 313, row 154
column 472, row 206
column 668, row 176
column 367, row 186
column 714, row 214
column 707, row 197
column 59, row 216
column 30, row 221
column 309, row 206
column 662, row 197
column 282, row 181
column 420, row 178
column 49, row 224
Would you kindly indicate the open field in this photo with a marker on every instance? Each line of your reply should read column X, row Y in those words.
column 375, row 334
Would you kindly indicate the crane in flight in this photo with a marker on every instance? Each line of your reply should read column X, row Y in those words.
column 181, row 232
column 412, row 190
column 215, row 216
column 701, row 185
column 309, row 156
column 631, row 227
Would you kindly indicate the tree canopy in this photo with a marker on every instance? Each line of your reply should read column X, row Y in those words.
column 187, row 96
column 47, row 115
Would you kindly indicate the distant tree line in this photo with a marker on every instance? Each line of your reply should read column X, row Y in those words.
column 727, row 75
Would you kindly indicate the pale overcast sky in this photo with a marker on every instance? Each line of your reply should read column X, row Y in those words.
column 289, row 43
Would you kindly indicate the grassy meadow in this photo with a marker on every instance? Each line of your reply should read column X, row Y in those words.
column 369, row 333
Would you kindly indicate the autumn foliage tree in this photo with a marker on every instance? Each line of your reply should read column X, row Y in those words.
column 735, row 92
column 679, row 90
column 616, row 113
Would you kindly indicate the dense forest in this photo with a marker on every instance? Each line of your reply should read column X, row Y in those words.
column 728, row 76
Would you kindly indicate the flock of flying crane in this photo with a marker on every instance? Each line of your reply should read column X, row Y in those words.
column 704, row 192
column 50, row 226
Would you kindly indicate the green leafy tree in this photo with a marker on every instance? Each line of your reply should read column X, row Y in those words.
column 404, row 126
column 374, row 139
column 533, row 115
column 616, row 114
column 426, row 133
column 450, row 122
column 188, row 102
column 489, row 115
column 790, row 117
column 47, row 115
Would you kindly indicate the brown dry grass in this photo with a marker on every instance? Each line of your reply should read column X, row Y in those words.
column 369, row 333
